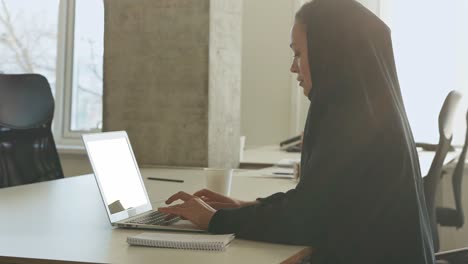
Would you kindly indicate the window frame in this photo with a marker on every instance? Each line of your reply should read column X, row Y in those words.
column 64, row 136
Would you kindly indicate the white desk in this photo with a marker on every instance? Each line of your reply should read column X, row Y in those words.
column 265, row 156
column 268, row 156
column 64, row 221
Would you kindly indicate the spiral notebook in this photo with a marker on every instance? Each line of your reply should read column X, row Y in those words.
column 182, row 241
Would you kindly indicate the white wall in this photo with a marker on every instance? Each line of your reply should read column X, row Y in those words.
column 75, row 164
column 266, row 81
column 373, row 5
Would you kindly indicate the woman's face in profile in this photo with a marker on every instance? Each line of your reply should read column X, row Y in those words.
column 300, row 64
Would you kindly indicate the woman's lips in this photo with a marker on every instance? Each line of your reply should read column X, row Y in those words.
column 300, row 80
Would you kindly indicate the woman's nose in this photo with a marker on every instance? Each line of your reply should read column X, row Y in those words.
column 293, row 68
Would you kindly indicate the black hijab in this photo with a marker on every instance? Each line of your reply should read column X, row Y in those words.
column 360, row 197
column 359, row 152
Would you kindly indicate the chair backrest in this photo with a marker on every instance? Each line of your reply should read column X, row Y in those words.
column 27, row 149
column 432, row 180
column 449, row 216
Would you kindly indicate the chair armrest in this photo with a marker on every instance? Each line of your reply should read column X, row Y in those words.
column 430, row 147
column 456, row 256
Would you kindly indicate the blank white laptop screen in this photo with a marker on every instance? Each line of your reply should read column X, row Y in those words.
column 118, row 174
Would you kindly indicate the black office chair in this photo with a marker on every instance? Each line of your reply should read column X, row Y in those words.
column 454, row 217
column 450, row 217
column 432, row 180
column 27, row 148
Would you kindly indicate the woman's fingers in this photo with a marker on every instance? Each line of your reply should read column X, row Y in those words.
column 209, row 194
column 205, row 195
column 204, row 192
column 171, row 210
column 178, row 208
column 179, row 196
column 216, row 200
column 171, row 216
column 194, row 210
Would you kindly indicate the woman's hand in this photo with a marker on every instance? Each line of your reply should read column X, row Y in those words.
column 193, row 209
column 219, row 201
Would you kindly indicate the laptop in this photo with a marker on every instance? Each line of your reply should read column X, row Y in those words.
column 121, row 186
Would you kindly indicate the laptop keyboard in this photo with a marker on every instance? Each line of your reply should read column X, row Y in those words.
column 154, row 218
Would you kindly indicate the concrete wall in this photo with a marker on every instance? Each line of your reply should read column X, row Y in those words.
column 225, row 49
column 167, row 66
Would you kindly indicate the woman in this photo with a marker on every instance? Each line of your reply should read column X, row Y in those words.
column 360, row 198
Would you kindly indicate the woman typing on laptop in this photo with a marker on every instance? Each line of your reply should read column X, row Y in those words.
column 360, row 198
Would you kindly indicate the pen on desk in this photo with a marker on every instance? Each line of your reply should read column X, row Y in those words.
column 164, row 179
column 283, row 173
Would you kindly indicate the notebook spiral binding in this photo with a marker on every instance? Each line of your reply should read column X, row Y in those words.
column 211, row 246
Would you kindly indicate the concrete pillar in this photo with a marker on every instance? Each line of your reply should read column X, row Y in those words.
column 172, row 79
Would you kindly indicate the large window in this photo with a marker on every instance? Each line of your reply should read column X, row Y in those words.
column 430, row 41
column 62, row 40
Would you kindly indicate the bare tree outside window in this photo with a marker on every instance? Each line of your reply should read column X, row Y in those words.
column 28, row 37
